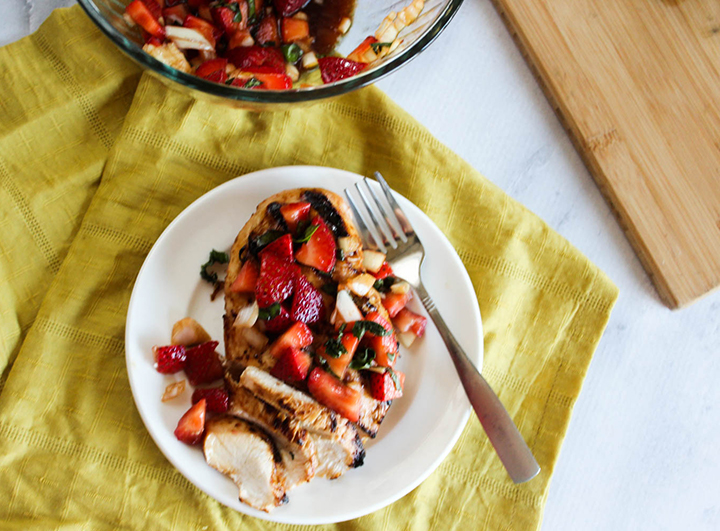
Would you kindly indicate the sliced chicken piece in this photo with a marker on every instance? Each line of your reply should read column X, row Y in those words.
column 295, row 444
column 247, row 455
column 337, row 442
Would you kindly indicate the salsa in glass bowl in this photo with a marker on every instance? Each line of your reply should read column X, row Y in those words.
column 270, row 54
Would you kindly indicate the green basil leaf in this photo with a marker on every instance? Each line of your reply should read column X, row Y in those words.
column 216, row 257
column 252, row 83
column 360, row 327
column 334, row 348
column 377, row 46
column 251, row 10
column 307, row 234
column 258, row 244
column 270, row 312
column 383, row 284
column 362, row 359
column 292, row 52
column 395, row 379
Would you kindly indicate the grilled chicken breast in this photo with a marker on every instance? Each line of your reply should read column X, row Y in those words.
column 246, row 454
column 337, row 442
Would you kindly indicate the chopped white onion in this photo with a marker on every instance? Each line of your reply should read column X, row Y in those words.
column 292, row 72
column 346, row 307
column 361, row 284
column 173, row 390
column 400, row 287
column 187, row 332
column 247, row 316
column 373, row 261
column 309, row 60
column 188, row 38
column 406, row 338
column 345, row 244
column 344, row 25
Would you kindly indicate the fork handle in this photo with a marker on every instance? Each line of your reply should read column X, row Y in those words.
column 499, row 427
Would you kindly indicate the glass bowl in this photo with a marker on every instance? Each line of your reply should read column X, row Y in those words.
column 436, row 14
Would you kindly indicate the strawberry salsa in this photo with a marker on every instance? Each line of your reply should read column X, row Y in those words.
column 260, row 44
column 325, row 329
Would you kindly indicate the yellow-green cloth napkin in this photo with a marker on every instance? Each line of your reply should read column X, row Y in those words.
column 74, row 452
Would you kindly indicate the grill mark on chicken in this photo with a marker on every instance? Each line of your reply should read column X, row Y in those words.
column 337, row 441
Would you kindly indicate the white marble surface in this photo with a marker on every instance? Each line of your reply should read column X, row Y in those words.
column 642, row 447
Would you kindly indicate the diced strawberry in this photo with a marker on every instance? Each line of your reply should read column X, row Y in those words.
column 217, row 399
column 339, row 365
column 292, row 366
column 231, row 19
column 144, row 18
column 394, row 302
column 385, row 347
column 154, row 7
column 407, row 320
column 297, row 336
column 331, row 392
column 213, row 70
column 276, row 281
column 384, row 387
column 336, row 68
column 251, row 56
column 319, row 251
column 175, row 14
column 267, row 31
column 202, row 364
column 282, row 248
column 294, row 213
column 280, row 322
column 210, row 32
column 384, row 271
column 268, row 81
column 247, row 278
column 191, row 426
column 150, row 39
column 169, row 359
column 288, row 7
column 294, row 29
column 307, row 304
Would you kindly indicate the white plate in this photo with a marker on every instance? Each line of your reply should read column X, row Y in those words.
column 420, row 429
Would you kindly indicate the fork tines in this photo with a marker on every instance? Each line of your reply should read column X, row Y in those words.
column 388, row 225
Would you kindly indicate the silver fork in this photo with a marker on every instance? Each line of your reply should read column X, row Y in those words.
column 394, row 235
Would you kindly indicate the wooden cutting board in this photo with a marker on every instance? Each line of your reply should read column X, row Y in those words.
column 637, row 84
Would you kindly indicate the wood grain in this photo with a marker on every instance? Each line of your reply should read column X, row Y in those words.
column 637, row 84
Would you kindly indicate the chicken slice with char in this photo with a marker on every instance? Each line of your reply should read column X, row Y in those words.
column 337, row 442
column 295, row 444
column 248, row 456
